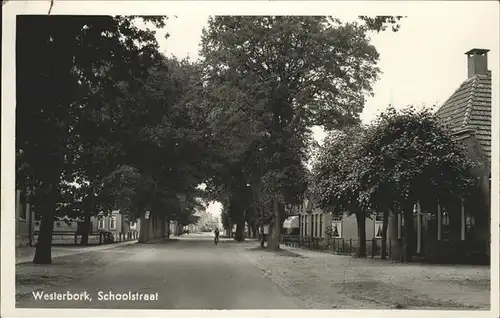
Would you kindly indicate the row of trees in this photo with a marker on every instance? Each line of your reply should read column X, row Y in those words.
column 402, row 158
column 99, row 106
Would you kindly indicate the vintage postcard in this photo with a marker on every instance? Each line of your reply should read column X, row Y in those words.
column 253, row 158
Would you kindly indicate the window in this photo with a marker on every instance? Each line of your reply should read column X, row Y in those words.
column 445, row 221
column 378, row 224
column 100, row 224
column 378, row 229
column 336, row 227
column 112, row 223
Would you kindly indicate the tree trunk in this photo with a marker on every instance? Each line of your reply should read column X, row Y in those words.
column 395, row 251
column 43, row 251
column 408, row 237
column 240, row 231
column 254, row 231
column 86, row 229
column 143, row 228
column 261, row 236
column 167, row 224
column 274, row 229
column 146, row 229
column 385, row 225
column 361, row 220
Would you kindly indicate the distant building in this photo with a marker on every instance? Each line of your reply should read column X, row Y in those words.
column 64, row 229
column 206, row 222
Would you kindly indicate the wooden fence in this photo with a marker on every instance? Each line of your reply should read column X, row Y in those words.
column 339, row 246
column 72, row 238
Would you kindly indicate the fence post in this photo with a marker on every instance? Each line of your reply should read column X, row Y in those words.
column 373, row 247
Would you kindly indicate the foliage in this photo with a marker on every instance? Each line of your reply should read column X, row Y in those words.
column 381, row 23
column 403, row 156
column 83, row 57
column 338, row 172
column 412, row 157
column 97, row 105
column 281, row 76
column 105, row 110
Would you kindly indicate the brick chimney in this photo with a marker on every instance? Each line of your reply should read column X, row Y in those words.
column 477, row 62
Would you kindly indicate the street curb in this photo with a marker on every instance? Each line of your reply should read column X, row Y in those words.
column 26, row 259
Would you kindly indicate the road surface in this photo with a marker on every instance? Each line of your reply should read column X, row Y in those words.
column 191, row 273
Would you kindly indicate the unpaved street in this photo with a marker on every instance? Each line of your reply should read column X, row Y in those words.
column 193, row 273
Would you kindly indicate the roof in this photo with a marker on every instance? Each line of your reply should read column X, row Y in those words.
column 469, row 108
column 475, row 50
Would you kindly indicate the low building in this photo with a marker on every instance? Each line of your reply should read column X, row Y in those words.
column 118, row 224
column 468, row 114
column 315, row 223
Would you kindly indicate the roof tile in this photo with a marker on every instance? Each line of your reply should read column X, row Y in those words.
column 469, row 107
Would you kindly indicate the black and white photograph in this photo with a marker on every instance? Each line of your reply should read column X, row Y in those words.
column 255, row 156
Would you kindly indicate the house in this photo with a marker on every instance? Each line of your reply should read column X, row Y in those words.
column 467, row 112
column 315, row 223
column 439, row 233
column 118, row 224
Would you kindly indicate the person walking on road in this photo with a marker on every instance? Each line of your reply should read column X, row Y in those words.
column 216, row 232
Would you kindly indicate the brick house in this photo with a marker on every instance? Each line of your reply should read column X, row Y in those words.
column 467, row 112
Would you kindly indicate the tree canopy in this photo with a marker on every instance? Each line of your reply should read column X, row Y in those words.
column 281, row 75
column 99, row 106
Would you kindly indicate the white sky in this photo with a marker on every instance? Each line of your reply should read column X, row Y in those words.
column 422, row 64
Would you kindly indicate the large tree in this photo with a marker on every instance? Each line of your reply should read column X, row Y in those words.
column 163, row 141
column 411, row 157
column 61, row 62
column 337, row 179
column 290, row 73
